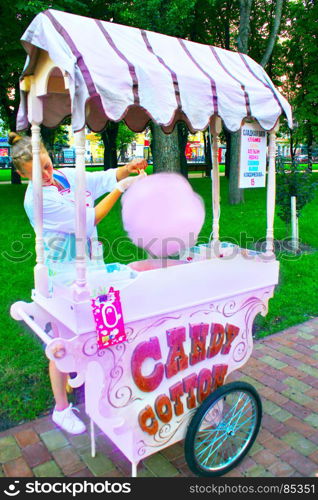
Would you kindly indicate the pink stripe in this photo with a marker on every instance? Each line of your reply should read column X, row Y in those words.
column 213, row 86
column 173, row 74
column 260, row 80
column 131, row 67
column 79, row 58
column 247, row 99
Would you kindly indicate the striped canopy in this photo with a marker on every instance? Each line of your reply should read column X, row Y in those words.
column 117, row 72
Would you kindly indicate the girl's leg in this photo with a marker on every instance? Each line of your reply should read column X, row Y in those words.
column 58, row 383
column 63, row 414
column 58, row 379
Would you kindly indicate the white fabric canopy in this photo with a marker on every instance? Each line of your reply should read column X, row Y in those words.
column 117, row 72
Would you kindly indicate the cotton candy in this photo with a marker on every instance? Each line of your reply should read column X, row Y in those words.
column 162, row 214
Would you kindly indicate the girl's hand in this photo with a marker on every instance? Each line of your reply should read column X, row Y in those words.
column 136, row 165
column 124, row 184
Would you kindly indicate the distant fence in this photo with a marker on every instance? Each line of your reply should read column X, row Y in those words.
column 192, row 165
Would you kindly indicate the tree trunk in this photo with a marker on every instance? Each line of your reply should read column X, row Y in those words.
column 236, row 195
column 9, row 106
column 48, row 136
column 207, row 154
column 107, row 155
column 310, row 140
column 227, row 153
column 122, row 154
column 109, row 136
column 292, row 146
column 227, row 25
column 273, row 33
column 244, row 29
column 165, row 150
column 182, row 141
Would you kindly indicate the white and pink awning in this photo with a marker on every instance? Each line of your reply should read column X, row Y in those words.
column 117, row 72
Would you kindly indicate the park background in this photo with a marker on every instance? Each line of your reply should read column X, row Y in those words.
column 282, row 36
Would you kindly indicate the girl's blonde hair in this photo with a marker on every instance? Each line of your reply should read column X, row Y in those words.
column 21, row 150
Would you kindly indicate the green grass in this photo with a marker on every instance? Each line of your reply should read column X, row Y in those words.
column 24, row 384
column 5, row 174
column 296, row 298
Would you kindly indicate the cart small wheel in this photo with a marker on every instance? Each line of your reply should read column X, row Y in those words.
column 223, row 429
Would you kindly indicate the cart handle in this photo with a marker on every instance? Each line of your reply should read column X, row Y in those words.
column 32, row 324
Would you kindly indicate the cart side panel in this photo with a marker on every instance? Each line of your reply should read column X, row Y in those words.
column 142, row 393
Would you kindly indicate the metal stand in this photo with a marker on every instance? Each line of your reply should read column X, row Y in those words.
column 215, row 129
column 271, row 193
column 93, row 444
column 40, row 270
column 134, row 469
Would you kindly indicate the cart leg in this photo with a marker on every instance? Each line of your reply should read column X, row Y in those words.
column 134, row 469
column 93, row 448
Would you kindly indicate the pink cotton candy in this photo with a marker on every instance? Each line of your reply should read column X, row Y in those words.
column 162, row 214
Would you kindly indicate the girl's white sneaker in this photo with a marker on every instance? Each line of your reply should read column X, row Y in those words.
column 68, row 421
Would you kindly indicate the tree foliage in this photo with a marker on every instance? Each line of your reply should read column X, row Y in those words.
column 15, row 18
column 124, row 137
column 291, row 64
column 299, row 51
column 291, row 181
column 61, row 138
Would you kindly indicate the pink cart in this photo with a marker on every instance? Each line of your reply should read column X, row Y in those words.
column 188, row 322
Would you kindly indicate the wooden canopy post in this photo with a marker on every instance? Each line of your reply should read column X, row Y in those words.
column 36, row 86
column 80, row 216
column 40, row 269
column 271, row 191
column 215, row 129
column 35, row 114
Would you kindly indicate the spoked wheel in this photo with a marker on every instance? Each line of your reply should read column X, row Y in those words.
column 223, row 429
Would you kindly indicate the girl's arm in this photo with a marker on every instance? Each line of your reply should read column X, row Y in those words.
column 106, row 204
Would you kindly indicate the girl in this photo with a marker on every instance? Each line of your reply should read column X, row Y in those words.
column 59, row 231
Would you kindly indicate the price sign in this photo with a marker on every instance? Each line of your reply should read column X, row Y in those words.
column 252, row 156
column 109, row 321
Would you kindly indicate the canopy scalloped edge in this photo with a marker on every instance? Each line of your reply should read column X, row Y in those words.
column 148, row 76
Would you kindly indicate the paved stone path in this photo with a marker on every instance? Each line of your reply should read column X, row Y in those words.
column 283, row 368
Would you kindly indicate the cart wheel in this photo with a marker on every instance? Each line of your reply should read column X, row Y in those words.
column 223, row 429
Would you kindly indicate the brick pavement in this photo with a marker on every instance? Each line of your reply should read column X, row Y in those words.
column 284, row 370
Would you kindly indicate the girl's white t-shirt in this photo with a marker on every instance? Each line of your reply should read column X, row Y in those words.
column 59, row 215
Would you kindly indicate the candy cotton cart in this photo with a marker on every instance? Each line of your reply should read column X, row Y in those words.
column 189, row 323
